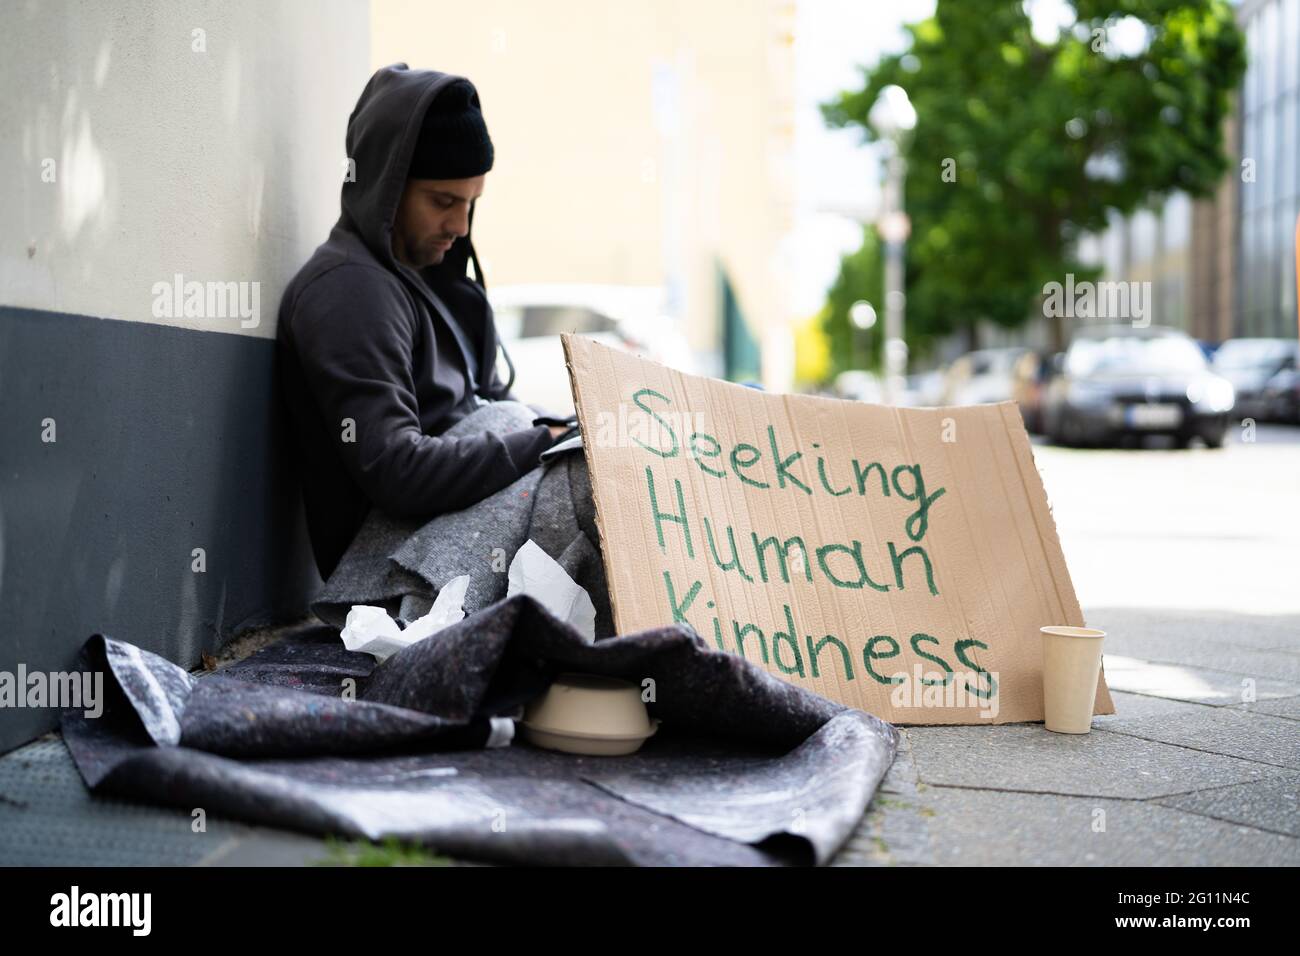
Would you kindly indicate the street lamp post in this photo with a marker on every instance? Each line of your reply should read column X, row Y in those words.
column 862, row 315
column 893, row 117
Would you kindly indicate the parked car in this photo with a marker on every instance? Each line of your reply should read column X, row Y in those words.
column 860, row 386
column 1250, row 364
column 1282, row 397
column 530, row 318
column 1029, row 378
column 981, row 376
column 1117, row 381
column 924, row 389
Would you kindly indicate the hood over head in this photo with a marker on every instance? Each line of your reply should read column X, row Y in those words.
column 381, row 140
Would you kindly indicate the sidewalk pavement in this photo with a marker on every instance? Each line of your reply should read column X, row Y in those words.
column 1185, row 773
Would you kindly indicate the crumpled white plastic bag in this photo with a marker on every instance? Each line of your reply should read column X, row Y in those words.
column 370, row 630
column 532, row 571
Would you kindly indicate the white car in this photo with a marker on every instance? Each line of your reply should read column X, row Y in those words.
column 860, row 386
column 530, row 318
column 981, row 377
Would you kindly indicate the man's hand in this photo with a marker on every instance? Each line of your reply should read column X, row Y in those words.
column 559, row 427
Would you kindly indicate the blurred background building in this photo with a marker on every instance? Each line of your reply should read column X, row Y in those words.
column 662, row 152
column 1224, row 266
column 1270, row 138
column 644, row 144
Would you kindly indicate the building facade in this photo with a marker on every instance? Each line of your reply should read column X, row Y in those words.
column 1224, row 266
column 651, row 146
column 1269, row 174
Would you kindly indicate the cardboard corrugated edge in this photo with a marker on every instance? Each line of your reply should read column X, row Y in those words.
column 576, row 389
column 1035, row 492
column 1045, row 525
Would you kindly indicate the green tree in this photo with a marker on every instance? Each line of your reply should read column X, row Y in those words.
column 1021, row 146
column 861, row 277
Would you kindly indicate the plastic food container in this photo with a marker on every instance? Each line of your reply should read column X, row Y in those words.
column 589, row 714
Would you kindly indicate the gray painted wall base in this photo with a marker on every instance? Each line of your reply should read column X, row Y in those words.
column 166, row 440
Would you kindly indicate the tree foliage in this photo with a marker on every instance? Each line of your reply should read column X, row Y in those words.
column 1041, row 141
column 861, row 276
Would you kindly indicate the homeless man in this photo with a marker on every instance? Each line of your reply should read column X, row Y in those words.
column 388, row 351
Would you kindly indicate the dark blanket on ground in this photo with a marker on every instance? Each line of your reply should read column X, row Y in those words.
column 745, row 770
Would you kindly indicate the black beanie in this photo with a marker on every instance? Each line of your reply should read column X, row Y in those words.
column 453, row 141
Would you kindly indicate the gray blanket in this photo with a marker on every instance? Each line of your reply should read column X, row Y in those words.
column 401, row 565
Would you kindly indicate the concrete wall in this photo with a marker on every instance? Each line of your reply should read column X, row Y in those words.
column 145, row 141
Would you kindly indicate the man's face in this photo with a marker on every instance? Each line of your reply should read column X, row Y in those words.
column 430, row 217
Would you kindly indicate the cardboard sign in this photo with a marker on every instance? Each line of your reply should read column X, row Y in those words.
column 896, row 560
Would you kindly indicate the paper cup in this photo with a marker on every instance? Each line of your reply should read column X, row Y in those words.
column 1071, row 665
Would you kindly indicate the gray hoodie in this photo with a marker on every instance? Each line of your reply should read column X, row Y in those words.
column 377, row 360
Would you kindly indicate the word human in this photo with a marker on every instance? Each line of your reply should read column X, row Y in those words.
column 760, row 559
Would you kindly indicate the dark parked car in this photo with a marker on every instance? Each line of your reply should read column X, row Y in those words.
column 1117, row 381
column 1250, row 364
column 1282, row 397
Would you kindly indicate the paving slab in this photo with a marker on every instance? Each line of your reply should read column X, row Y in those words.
column 895, row 830
column 1208, row 653
column 1185, row 682
column 1131, row 626
column 1221, row 730
column 1129, row 707
column 1028, row 757
column 986, row 828
column 1271, row 804
column 49, row 818
column 263, row 846
column 1288, row 707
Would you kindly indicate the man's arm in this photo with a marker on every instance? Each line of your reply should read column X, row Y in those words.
column 354, row 337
